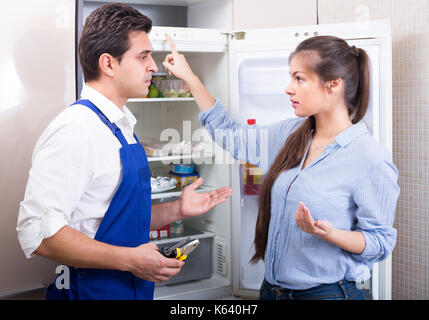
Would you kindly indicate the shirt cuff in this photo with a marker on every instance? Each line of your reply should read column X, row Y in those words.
column 371, row 249
column 212, row 113
column 32, row 236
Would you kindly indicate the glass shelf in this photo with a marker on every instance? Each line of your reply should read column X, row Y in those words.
column 187, row 232
column 178, row 191
column 160, row 99
column 176, row 159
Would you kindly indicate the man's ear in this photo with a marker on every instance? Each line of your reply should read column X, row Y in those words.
column 335, row 85
column 106, row 63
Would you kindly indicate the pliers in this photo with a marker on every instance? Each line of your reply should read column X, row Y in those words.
column 180, row 250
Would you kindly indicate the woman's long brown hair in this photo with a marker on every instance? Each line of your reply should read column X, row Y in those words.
column 336, row 60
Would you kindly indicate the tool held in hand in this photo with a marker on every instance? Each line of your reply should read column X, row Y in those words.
column 180, row 250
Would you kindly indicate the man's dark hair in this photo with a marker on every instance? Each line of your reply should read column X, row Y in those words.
column 106, row 30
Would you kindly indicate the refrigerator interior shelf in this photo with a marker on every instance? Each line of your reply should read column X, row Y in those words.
column 188, row 231
column 178, row 191
column 160, row 99
column 177, row 159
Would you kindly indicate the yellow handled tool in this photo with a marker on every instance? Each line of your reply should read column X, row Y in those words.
column 180, row 250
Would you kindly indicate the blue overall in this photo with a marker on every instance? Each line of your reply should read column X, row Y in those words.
column 126, row 223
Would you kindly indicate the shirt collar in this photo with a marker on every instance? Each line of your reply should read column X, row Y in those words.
column 107, row 107
column 351, row 133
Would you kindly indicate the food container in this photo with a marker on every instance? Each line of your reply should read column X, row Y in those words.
column 184, row 147
column 163, row 232
column 174, row 88
column 184, row 179
column 154, row 147
column 177, row 227
column 182, row 168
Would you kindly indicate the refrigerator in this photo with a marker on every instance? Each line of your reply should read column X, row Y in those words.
column 247, row 71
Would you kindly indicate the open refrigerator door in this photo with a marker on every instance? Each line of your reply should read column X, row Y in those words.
column 258, row 77
column 259, row 74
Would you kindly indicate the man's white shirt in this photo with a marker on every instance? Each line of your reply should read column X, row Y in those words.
column 76, row 170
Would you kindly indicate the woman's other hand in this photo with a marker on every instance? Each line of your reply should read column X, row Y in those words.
column 305, row 222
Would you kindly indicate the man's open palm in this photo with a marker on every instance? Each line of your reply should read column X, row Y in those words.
column 194, row 204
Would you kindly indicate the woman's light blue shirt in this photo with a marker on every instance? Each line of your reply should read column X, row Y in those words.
column 352, row 184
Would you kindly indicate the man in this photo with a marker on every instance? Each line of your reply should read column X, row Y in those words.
column 88, row 199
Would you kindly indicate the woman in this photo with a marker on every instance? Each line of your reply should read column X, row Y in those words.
column 328, row 201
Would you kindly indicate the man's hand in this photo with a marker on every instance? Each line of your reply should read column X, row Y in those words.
column 73, row 248
column 146, row 262
column 194, row 204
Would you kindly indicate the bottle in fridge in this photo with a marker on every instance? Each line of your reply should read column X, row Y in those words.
column 252, row 177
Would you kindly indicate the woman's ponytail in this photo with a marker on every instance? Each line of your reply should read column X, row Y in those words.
column 361, row 99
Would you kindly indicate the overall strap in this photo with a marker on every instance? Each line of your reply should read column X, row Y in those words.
column 135, row 137
column 113, row 127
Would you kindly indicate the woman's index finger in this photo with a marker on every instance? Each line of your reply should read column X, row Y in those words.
column 171, row 43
